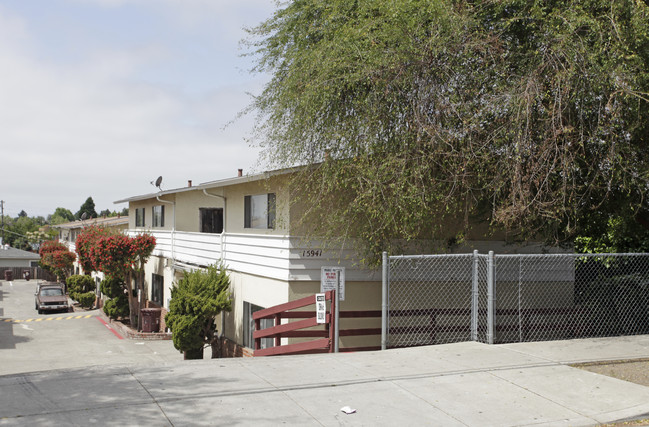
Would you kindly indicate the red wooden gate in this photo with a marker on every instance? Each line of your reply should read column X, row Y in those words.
column 295, row 329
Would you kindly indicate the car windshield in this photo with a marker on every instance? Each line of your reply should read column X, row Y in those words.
column 52, row 292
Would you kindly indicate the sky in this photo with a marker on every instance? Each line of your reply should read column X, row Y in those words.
column 100, row 97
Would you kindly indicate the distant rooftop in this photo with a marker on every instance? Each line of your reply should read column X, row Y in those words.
column 213, row 184
column 7, row 252
column 111, row 221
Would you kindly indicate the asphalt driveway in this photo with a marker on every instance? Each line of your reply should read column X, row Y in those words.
column 34, row 342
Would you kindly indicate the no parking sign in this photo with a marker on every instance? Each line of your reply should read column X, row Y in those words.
column 332, row 278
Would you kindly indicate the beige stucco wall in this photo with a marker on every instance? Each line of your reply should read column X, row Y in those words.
column 188, row 203
column 148, row 213
column 235, row 213
column 161, row 266
column 187, row 209
column 256, row 290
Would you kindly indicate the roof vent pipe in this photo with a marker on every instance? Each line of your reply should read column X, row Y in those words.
column 240, row 172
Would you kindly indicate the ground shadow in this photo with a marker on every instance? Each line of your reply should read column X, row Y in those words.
column 7, row 338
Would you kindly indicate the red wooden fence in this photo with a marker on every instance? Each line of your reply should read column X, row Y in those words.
column 324, row 343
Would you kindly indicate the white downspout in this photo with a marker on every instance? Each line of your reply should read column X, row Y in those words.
column 173, row 229
column 225, row 209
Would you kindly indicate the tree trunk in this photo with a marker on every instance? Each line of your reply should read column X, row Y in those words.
column 140, row 290
column 132, row 302
column 196, row 353
column 216, row 348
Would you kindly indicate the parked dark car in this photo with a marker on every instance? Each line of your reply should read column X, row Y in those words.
column 51, row 297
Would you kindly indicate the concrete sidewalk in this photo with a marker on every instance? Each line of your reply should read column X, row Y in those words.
column 465, row 384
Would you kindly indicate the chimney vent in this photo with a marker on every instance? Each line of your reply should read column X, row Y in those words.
column 240, row 172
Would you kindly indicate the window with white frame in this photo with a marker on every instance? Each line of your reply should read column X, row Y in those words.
column 249, row 326
column 139, row 217
column 158, row 216
column 259, row 211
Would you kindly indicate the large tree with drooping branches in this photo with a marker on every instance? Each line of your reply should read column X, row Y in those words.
column 530, row 116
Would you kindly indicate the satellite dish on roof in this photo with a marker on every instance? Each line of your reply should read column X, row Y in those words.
column 84, row 216
column 157, row 182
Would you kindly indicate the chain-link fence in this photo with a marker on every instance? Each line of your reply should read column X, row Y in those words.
column 434, row 299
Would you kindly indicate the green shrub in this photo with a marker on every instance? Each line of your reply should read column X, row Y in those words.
column 195, row 302
column 112, row 287
column 117, row 307
column 80, row 284
column 85, row 299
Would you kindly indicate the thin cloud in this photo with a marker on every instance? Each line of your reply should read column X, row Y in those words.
column 105, row 124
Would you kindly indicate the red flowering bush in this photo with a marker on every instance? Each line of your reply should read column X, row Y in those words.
column 113, row 255
column 143, row 246
column 122, row 257
column 86, row 241
column 56, row 258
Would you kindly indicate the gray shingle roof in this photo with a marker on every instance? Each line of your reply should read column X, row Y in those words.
column 13, row 253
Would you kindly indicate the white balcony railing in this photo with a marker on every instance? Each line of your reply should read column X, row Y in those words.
column 278, row 257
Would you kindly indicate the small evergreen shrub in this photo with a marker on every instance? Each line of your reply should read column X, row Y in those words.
column 78, row 284
column 117, row 307
column 112, row 287
column 196, row 300
column 85, row 299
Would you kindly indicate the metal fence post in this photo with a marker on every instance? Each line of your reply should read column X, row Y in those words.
column 490, row 298
column 384, row 302
column 337, row 314
column 474, row 299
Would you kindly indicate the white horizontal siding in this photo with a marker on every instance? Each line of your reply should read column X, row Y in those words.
column 70, row 245
column 271, row 256
column 197, row 248
column 258, row 254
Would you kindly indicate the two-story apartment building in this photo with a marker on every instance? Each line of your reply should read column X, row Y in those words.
column 250, row 225
column 246, row 223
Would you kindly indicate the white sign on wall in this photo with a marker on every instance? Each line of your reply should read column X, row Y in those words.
column 332, row 277
column 320, row 308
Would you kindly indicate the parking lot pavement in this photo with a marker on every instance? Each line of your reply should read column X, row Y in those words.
column 34, row 342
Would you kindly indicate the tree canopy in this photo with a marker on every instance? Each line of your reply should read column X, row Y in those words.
column 530, row 116
column 22, row 232
column 88, row 207
column 60, row 216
